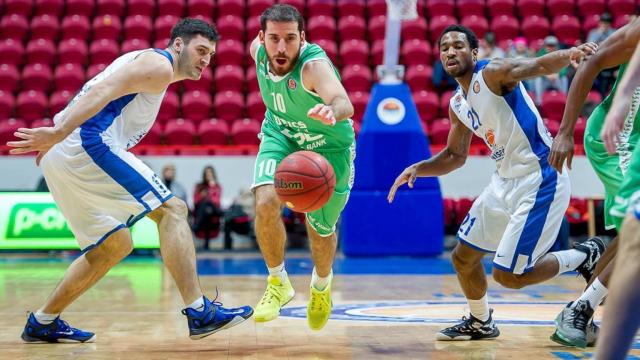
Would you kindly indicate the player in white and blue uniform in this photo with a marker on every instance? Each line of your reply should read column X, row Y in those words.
column 102, row 189
column 519, row 214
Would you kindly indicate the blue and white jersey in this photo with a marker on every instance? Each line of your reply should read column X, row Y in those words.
column 124, row 121
column 510, row 125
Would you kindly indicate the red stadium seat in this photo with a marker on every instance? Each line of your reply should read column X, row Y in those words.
column 73, row 51
column 138, row 27
column 179, row 132
column 75, row 27
column 7, row 103
column 531, row 7
column 45, row 27
column 169, row 107
column 577, row 211
column 231, row 27
column 255, row 106
column 438, row 24
column 329, row 47
column 535, row 27
column 31, row 105
column 196, row 105
column 134, row 44
column 622, row 7
column 110, row 7
column 321, row 27
column 153, row 136
column 58, row 101
column 298, row 4
column 253, row 27
column 161, row 43
column 376, row 7
column 229, row 105
column 173, row 8
column 94, row 70
column 376, row 28
column 357, row 78
column 103, row 51
column 9, row 76
column 251, row 79
column 359, row 100
column 505, row 27
column 351, row 7
column 12, row 51
column 553, row 104
column 621, row 20
column 561, row 7
column 419, row 77
column 427, row 104
column 50, row 7
column 245, row 132
column 18, row 7
column 448, row 206
column 106, row 27
column 354, row 52
column 478, row 24
column 68, row 77
column 439, row 131
column 356, row 128
column 567, row 29
column 444, row 102
column 229, row 78
column 440, row 7
column 163, row 24
column 14, row 26
column 204, row 84
column 41, row 51
column 594, row 97
column 36, row 77
column 321, row 7
column 501, row 7
column 377, row 51
column 351, row 27
column 231, row 7
column 462, row 207
column 141, row 7
column 256, row 7
column 45, row 122
column 471, row 7
column 8, row 127
column 213, row 132
column 590, row 7
column 200, row 7
column 80, row 7
column 415, row 52
column 590, row 22
column 230, row 52
column 578, row 132
column 414, row 29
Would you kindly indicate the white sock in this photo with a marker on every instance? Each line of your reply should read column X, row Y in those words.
column 279, row 271
column 198, row 304
column 594, row 294
column 569, row 260
column 45, row 319
column 320, row 283
column 480, row 308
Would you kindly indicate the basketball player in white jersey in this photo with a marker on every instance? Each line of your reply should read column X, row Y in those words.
column 102, row 189
column 518, row 215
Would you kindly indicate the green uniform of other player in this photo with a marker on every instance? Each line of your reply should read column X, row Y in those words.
column 287, row 128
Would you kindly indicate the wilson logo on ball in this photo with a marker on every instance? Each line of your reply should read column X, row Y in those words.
column 288, row 185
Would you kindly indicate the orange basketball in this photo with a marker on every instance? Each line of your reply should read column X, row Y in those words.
column 304, row 181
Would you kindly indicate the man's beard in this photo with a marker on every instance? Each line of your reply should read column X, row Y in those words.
column 292, row 63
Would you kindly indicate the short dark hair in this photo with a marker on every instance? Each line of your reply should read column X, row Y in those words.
column 281, row 13
column 187, row 28
column 471, row 36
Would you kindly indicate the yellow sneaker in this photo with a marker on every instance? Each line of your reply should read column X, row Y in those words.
column 319, row 307
column 277, row 295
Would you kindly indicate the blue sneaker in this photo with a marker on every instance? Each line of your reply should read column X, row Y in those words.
column 57, row 331
column 214, row 318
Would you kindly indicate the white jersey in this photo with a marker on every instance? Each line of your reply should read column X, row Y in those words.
column 124, row 121
column 510, row 125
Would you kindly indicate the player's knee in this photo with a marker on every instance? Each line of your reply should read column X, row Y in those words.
column 177, row 208
column 460, row 260
column 111, row 251
column 267, row 204
column 507, row 279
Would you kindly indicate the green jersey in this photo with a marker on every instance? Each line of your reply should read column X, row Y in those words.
column 288, row 101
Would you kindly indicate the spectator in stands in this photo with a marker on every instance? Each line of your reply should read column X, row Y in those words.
column 206, row 203
column 488, row 48
column 603, row 30
column 169, row 177
column 519, row 48
column 555, row 81
column 239, row 217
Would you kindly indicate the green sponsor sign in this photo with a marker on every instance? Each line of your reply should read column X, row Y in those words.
column 33, row 221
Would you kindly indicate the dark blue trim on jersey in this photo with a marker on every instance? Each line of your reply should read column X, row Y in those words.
column 165, row 53
column 528, row 121
column 475, row 247
column 480, row 65
column 510, row 270
column 93, row 246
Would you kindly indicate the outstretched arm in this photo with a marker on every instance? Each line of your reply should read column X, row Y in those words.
column 452, row 157
column 318, row 76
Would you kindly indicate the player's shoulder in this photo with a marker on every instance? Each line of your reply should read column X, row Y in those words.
column 154, row 63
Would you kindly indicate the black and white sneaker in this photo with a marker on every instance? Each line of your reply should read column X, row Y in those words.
column 470, row 329
column 594, row 248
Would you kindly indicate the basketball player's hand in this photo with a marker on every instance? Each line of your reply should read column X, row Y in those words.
column 561, row 150
column 322, row 113
column 408, row 176
column 582, row 52
column 613, row 126
column 36, row 139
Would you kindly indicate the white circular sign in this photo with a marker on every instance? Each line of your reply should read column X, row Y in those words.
column 391, row 111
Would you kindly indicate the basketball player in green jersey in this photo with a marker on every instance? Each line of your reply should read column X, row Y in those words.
column 574, row 326
column 307, row 109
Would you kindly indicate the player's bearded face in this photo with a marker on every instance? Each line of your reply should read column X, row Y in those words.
column 282, row 41
column 456, row 54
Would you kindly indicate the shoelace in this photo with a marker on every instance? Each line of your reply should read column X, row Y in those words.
column 214, row 302
column 315, row 305
column 466, row 325
column 270, row 295
column 579, row 319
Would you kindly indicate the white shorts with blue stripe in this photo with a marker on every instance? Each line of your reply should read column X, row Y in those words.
column 518, row 218
column 102, row 190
